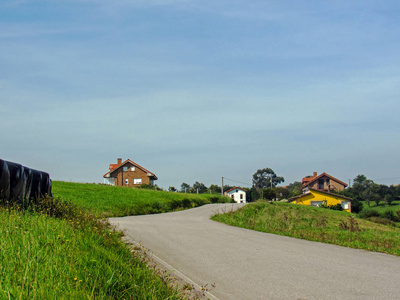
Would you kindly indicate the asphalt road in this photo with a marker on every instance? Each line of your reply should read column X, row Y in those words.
column 245, row 264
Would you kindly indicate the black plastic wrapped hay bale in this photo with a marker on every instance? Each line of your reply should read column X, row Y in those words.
column 19, row 183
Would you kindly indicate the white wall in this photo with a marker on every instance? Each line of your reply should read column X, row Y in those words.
column 236, row 195
column 109, row 181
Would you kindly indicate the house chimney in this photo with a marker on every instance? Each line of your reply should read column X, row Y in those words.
column 119, row 161
column 315, row 174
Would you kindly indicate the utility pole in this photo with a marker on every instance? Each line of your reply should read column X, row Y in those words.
column 222, row 187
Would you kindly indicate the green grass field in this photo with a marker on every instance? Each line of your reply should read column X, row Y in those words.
column 383, row 206
column 62, row 248
column 315, row 224
column 111, row 201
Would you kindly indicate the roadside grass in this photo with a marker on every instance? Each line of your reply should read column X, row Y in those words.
column 111, row 201
column 315, row 224
column 54, row 250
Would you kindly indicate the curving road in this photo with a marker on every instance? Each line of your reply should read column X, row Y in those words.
column 245, row 264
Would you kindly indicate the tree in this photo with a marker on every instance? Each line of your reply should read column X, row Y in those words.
column 254, row 194
column 172, row 189
column 268, row 194
column 215, row 189
column 185, row 187
column 282, row 193
column 360, row 185
column 294, row 188
column 199, row 187
column 360, row 179
column 265, row 178
column 369, row 196
column 388, row 199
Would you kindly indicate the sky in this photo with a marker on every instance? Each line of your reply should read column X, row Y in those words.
column 200, row 90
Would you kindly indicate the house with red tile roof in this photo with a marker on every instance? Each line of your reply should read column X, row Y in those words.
column 237, row 194
column 322, row 182
column 128, row 173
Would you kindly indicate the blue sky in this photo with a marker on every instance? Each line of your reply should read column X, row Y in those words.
column 199, row 90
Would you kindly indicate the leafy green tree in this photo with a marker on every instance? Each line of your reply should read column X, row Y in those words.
column 360, row 179
column 215, row 189
column 254, row 194
column 268, row 194
column 377, row 199
column 172, row 189
column 360, row 185
column 282, row 193
column 369, row 196
column 185, row 187
column 199, row 187
column 294, row 188
column 388, row 199
column 265, row 178
column 356, row 205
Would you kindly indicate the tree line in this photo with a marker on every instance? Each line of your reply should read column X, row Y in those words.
column 265, row 181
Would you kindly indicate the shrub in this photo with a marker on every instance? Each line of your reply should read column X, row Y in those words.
column 336, row 207
column 368, row 213
column 390, row 215
column 351, row 226
column 214, row 199
column 186, row 203
column 333, row 207
column 382, row 221
column 356, row 205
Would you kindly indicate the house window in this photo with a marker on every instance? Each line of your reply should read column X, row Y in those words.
column 345, row 204
column 317, row 203
column 125, row 169
column 126, row 181
column 137, row 181
column 237, row 191
column 232, row 196
column 321, row 184
column 132, row 169
column 241, row 196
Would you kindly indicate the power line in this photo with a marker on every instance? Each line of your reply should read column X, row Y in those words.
column 238, row 181
column 388, row 178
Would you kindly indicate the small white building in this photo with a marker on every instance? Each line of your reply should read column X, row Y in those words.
column 237, row 194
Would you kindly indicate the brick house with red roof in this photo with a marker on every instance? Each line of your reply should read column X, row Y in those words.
column 322, row 182
column 128, row 173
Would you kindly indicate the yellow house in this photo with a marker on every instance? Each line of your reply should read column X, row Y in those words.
column 317, row 198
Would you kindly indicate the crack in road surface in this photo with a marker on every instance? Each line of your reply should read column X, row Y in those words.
column 246, row 264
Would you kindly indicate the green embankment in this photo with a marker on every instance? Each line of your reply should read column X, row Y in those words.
column 49, row 258
column 60, row 248
column 112, row 201
column 315, row 224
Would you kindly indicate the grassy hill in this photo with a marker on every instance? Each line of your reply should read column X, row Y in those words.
column 315, row 224
column 113, row 201
column 60, row 248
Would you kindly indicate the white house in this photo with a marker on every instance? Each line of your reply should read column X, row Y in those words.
column 237, row 194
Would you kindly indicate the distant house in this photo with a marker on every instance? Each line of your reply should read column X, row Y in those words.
column 315, row 197
column 128, row 173
column 323, row 182
column 237, row 194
